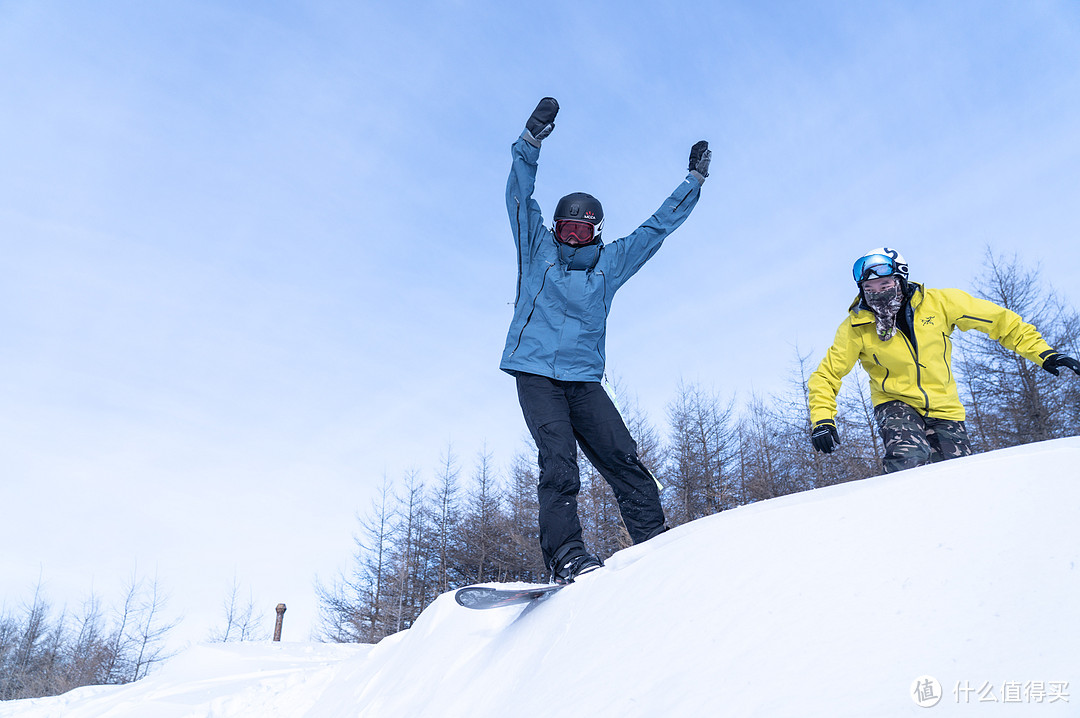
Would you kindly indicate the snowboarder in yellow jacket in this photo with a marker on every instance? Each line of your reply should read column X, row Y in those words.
column 900, row 332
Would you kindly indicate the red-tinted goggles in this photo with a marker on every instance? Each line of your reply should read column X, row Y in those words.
column 573, row 232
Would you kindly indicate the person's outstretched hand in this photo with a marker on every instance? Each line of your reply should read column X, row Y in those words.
column 1055, row 361
column 542, row 120
column 700, row 156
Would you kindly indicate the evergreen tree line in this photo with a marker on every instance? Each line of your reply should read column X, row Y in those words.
column 45, row 653
column 420, row 539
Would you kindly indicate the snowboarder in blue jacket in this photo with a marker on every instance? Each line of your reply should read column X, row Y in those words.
column 567, row 277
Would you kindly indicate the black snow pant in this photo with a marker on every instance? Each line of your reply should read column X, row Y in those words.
column 561, row 415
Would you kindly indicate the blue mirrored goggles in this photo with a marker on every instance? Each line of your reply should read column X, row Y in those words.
column 872, row 267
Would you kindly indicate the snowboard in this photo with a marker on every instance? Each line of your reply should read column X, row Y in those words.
column 481, row 597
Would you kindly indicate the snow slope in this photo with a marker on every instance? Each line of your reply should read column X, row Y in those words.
column 829, row 603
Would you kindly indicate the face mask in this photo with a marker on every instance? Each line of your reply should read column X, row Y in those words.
column 884, row 305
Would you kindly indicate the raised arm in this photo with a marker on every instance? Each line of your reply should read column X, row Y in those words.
column 526, row 220
column 631, row 252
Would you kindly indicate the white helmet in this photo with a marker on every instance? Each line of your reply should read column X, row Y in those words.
column 880, row 262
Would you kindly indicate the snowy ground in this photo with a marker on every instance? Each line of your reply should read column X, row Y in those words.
column 828, row 604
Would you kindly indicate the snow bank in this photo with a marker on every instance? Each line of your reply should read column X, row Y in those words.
column 829, row 603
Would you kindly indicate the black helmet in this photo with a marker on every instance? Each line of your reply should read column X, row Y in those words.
column 575, row 208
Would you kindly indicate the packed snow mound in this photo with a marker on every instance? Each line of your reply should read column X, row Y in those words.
column 955, row 584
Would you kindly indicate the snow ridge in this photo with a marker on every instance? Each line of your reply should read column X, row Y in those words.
column 829, row 603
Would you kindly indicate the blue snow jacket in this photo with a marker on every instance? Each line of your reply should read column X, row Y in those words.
column 564, row 293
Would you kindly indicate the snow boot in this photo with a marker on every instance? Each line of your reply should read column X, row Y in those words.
column 569, row 568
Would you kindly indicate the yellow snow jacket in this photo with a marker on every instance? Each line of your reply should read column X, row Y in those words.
column 917, row 373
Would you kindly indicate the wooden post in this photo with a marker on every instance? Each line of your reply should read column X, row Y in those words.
column 280, row 620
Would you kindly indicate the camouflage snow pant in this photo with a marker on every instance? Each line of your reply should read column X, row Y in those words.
column 912, row 439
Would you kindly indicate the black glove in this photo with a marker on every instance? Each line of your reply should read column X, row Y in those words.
column 542, row 121
column 824, row 436
column 1055, row 361
column 700, row 155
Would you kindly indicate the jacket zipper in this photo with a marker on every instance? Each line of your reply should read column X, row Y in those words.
column 886, row 377
column 945, row 354
column 681, row 201
column 517, row 292
column 606, row 310
column 531, row 310
column 912, row 347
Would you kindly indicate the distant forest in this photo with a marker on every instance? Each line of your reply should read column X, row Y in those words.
column 713, row 452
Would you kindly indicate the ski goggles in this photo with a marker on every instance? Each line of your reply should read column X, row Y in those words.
column 873, row 266
column 574, row 232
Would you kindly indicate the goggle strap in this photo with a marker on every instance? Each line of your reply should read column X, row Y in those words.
column 869, row 267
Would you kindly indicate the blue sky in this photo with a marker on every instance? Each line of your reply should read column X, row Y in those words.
column 256, row 255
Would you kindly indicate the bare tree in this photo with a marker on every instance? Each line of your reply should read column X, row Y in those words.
column 483, row 530
column 243, row 620
column 1012, row 400
column 151, row 628
column 42, row 654
column 700, row 455
column 118, row 668
column 89, row 652
column 22, row 642
column 413, row 585
column 769, row 459
column 352, row 608
column 522, row 529
column 445, row 520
